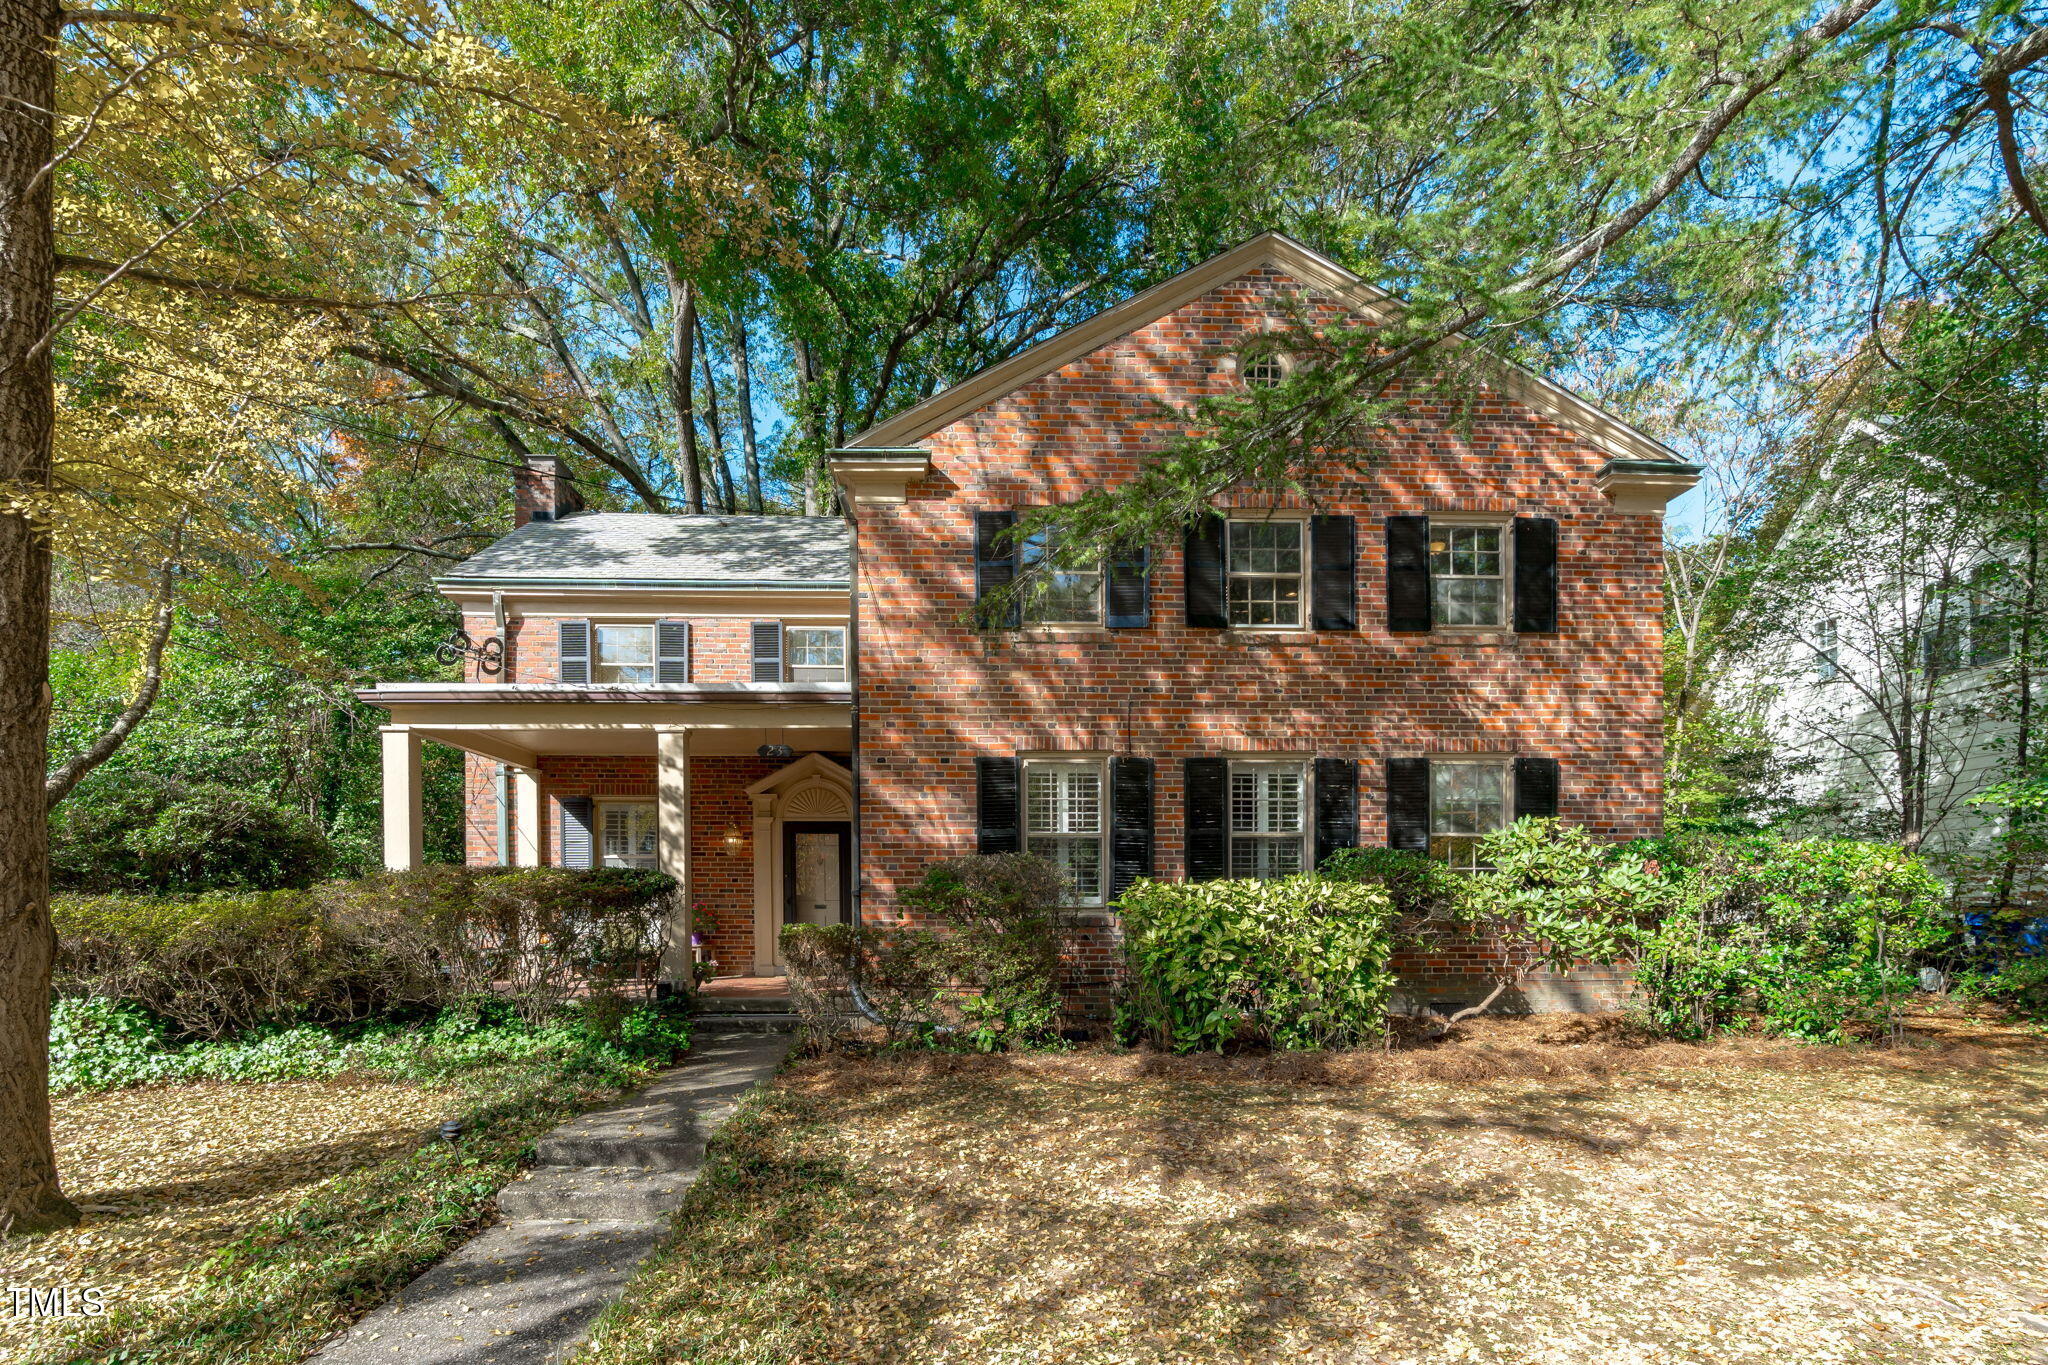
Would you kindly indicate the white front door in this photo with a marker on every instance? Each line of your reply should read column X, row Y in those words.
column 629, row 835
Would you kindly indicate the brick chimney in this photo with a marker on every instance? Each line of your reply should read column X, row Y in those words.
column 544, row 490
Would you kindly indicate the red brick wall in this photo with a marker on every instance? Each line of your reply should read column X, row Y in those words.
column 934, row 694
column 721, row 649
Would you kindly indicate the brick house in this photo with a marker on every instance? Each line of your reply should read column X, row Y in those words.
column 1414, row 649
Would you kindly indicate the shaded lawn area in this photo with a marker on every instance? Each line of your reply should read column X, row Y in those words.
column 1738, row 1201
column 249, row 1222
column 170, row 1175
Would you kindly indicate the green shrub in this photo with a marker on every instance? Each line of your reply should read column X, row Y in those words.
column 389, row 946
column 2019, row 983
column 1816, row 938
column 1422, row 888
column 98, row 1044
column 148, row 834
column 1300, row 962
column 981, row 974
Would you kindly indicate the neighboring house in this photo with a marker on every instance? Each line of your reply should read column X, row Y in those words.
column 1419, row 647
column 1883, row 674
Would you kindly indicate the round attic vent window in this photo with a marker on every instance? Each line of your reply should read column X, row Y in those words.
column 1265, row 372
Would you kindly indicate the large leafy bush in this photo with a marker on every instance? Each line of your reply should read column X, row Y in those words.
column 980, row 971
column 1811, row 938
column 386, row 946
column 149, row 834
column 1298, row 962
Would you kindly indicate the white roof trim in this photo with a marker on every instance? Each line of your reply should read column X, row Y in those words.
column 1557, row 404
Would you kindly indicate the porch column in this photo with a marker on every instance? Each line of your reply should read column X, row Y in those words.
column 672, row 830
column 526, row 832
column 765, row 916
column 403, row 846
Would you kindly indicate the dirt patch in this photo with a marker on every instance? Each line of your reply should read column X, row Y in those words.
column 1538, row 1047
column 167, row 1175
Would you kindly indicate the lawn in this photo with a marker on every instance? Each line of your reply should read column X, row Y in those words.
column 1542, row 1191
column 248, row 1220
column 168, row 1176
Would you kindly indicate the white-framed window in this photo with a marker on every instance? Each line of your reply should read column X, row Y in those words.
column 1066, row 820
column 816, row 653
column 1264, row 562
column 1056, row 596
column 1468, row 574
column 1991, row 620
column 1268, row 818
column 628, row 835
column 1467, row 798
column 1264, row 372
column 1827, row 650
column 622, row 654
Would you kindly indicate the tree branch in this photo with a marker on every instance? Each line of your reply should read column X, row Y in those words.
column 60, row 783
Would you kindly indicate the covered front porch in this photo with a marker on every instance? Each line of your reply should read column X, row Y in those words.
column 743, row 794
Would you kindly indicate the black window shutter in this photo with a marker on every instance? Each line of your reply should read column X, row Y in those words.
column 671, row 651
column 1535, row 787
column 579, row 836
column 1130, row 836
column 1408, row 804
column 1535, row 575
column 997, row 805
column 1204, row 581
column 572, row 657
column 1206, row 782
column 767, row 651
column 1336, row 806
column 1408, row 607
column 1130, row 590
column 1334, row 591
column 995, row 566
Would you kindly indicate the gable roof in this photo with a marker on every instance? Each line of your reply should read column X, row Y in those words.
column 1579, row 415
column 651, row 549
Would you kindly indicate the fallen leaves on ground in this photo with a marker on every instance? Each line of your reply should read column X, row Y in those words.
column 1734, row 1202
column 167, row 1175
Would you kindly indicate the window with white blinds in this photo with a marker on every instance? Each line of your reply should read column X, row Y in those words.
column 1065, row 821
column 1268, row 818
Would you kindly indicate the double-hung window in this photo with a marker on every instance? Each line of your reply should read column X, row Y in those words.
column 630, row 835
column 1057, row 594
column 817, row 654
column 624, row 654
column 1827, row 651
column 1268, row 818
column 1466, row 800
column 1264, row 560
column 1468, row 574
column 1065, row 820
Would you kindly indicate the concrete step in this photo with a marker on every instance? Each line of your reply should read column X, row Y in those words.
column 595, row 1193
column 615, row 1153
column 725, row 1025
column 742, row 1004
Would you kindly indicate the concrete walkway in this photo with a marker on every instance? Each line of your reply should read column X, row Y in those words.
column 573, row 1229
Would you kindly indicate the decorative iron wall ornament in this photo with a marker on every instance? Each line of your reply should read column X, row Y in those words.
column 489, row 656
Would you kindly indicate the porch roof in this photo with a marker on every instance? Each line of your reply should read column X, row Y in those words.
column 516, row 723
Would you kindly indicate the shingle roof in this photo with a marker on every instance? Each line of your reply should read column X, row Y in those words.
column 657, row 548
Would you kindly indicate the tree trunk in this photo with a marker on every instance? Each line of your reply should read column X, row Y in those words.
column 30, row 1200
column 743, row 392
column 2023, row 710
column 682, row 324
